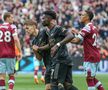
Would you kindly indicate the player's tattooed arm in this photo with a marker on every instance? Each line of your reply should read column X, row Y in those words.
column 68, row 37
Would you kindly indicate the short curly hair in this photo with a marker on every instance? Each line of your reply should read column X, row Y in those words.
column 50, row 13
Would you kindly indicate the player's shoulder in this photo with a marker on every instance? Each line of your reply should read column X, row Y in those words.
column 5, row 25
column 87, row 27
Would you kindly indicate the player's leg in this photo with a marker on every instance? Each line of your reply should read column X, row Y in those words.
column 11, row 81
column 90, row 72
column 59, row 75
column 2, row 74
column 54, row 84
column 47, row 79
column 43, row 71
column 36, row 68
column 10, row 65
column 68, row 85
column 2, row 82
column 98, row 84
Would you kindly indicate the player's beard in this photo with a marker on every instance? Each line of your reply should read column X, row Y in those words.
column 46, row 23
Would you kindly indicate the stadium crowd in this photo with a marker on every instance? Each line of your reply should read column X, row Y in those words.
column 68, row 12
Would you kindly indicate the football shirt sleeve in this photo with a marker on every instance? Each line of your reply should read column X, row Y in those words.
column 85, row 31
column 14, row 30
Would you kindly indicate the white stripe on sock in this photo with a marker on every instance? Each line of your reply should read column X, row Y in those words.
column 35, row 76
column 91, row 88
column 97, row 84
column 11, row 81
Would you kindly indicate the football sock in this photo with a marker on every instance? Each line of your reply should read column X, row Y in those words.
column 90, row 83
column 11, row 82
column 35, row 72
column 43, row 72
column 2, row 85
column 98, row 84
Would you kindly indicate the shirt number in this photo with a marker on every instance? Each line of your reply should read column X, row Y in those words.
column 95, row 40
column 7, row 36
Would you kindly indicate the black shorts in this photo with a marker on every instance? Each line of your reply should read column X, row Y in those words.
column 61, row 73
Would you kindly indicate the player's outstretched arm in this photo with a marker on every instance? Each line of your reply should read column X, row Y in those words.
column 68, row 37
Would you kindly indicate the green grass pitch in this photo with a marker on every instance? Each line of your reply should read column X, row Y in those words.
column 26, row 82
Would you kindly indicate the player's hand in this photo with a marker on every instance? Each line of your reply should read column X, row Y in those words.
column 74, row 31
column 53, row 50
column 19, row 57
column 35, row 48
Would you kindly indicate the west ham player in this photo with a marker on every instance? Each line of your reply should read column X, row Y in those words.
column 8, row 40
column 91, row 53
column 40, row 38
column 37, row 65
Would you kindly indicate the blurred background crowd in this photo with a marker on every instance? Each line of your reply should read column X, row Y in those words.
column 68, row 15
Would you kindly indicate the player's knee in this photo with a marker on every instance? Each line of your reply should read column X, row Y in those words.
column 60, row 86
column 48, row 87
column 89, row 76
column 89, row 73
column 69, row 86
column 2, row 77
column 43, row 67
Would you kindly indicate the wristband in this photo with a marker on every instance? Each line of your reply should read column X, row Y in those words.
column 58, row 44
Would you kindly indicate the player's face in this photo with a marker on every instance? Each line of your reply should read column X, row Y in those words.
column 30, row 29
column 46, row 20
column 11, row 19
column 84, row 17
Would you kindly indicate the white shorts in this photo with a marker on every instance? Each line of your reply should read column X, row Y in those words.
column 93, row 67
column 7, row 65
